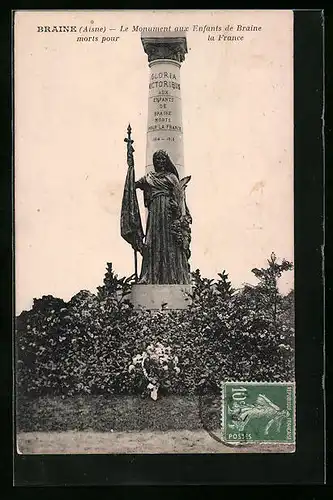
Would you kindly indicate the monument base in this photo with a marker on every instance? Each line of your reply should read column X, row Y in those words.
column 166, row 297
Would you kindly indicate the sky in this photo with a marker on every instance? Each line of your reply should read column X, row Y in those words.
column 73, row 102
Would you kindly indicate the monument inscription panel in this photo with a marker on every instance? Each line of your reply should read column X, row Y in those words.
column 165, row 127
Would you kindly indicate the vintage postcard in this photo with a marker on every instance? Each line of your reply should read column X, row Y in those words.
column 154, row 233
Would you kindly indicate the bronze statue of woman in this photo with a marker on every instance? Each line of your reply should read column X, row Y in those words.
column 166, row 247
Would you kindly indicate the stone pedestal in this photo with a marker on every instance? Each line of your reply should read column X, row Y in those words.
column 166, row 52
column 168, row 297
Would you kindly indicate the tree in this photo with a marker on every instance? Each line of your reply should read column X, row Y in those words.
column 113, row 285
column 223, row 285
column 266, row 293
column 208, row 291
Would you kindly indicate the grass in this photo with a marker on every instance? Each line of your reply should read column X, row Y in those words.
column 113, row 414
column 124, row 424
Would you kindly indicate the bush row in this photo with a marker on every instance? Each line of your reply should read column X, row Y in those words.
column 87, row 345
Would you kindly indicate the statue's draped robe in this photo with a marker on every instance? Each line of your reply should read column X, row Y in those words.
column 166, row 247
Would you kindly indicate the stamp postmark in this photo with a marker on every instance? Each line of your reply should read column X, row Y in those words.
column 258, row 412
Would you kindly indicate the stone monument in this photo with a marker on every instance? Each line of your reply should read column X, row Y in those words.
column 166, row 52
column 165, row 280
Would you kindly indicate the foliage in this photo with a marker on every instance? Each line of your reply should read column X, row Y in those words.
column 87, row 345
column 119, row 288
column 267, row 295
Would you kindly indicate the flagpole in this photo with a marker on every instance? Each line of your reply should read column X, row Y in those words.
column 136, row 265
column 130, row 141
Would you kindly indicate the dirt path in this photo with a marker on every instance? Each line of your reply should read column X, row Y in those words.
column 132, row 442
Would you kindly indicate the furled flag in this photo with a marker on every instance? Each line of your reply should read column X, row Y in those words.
column 130, row 221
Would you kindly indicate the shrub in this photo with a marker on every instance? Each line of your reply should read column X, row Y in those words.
column 87, row 345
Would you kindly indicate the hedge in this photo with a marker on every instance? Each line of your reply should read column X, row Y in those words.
column 86, row 346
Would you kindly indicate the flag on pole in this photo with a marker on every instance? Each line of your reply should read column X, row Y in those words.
column 130, row 220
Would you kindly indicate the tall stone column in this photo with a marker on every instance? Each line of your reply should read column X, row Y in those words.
column 166, row 52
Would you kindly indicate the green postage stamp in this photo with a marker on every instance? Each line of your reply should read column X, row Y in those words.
column 258, row 412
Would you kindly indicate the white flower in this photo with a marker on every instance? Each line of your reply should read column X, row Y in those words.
column 131, row 368
column 153, row 391
column 137, row 359
column 283, row 346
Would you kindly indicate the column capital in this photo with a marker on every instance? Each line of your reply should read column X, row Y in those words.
column 171, row 45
